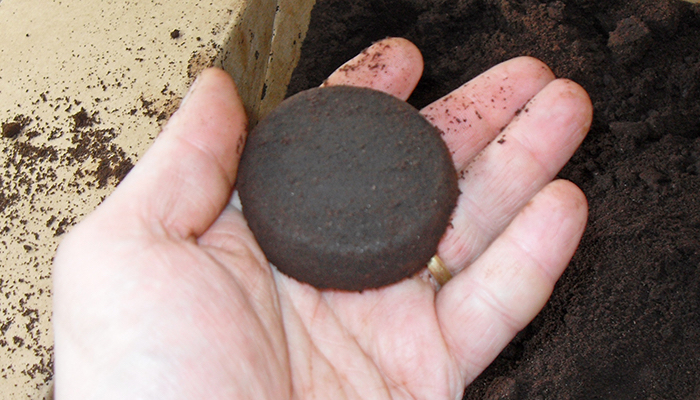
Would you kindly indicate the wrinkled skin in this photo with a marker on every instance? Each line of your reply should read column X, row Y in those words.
column 163, row 293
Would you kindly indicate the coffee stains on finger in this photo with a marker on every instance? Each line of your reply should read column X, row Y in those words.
column 240, row 144
column 372, row 59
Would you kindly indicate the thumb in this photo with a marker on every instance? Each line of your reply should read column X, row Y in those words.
column 185, row 179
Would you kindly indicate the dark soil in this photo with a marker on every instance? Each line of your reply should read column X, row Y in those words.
column 624, row 320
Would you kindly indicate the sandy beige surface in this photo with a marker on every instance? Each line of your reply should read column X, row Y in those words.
column 83, row 92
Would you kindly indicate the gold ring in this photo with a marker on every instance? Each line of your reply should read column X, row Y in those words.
column 439, row 271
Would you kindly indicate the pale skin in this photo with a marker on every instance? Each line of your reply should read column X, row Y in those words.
column 163, row 292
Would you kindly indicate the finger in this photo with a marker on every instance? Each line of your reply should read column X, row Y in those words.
column 481, row 309
column 185, row 179
column 392, row 65
column 506, row 174
column 472, row 115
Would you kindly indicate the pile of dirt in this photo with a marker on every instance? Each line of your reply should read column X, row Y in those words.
column 624, row 320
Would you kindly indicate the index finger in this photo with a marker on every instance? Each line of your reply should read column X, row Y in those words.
column 392, row 65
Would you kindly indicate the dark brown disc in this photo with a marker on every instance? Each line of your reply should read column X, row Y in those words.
column 347, row 188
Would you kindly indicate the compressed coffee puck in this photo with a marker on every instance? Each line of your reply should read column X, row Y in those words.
column 347, row 188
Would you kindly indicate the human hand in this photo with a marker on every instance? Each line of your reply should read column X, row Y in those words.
column 162, row 292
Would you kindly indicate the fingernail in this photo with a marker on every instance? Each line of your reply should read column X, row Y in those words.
column 181, row 107
column 189, row 92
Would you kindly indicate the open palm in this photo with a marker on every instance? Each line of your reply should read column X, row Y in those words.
column 163, row 293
